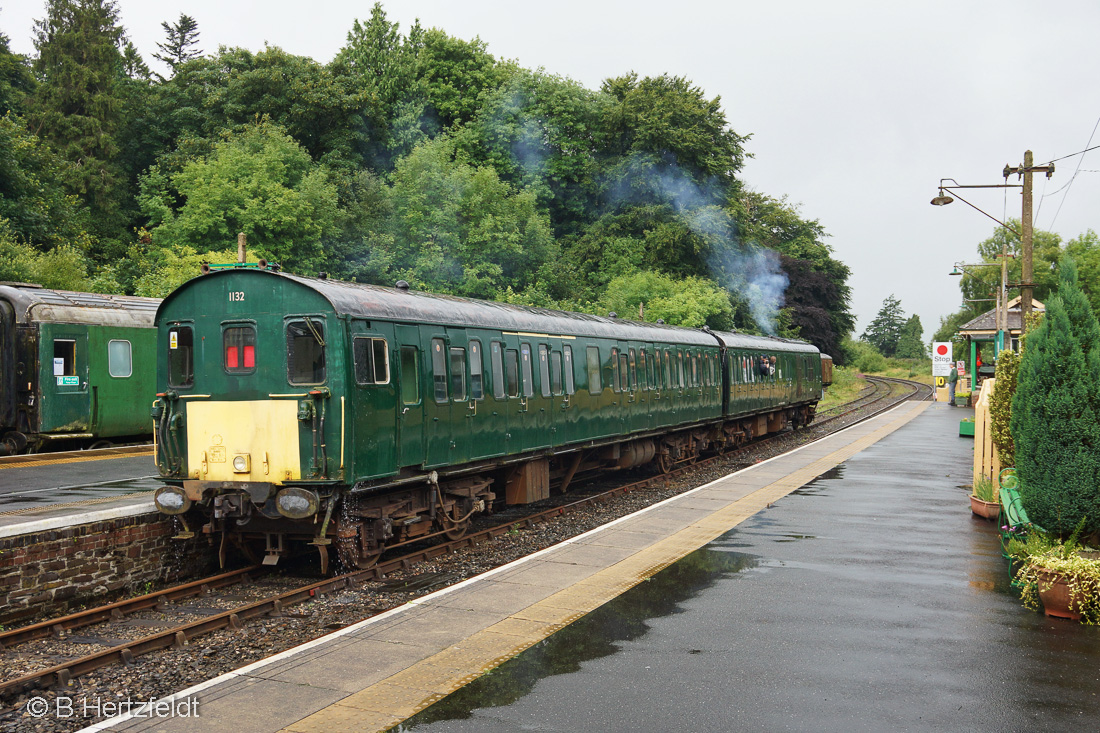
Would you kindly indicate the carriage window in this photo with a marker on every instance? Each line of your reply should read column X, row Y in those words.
column 511, row 368
column 680, row 368
column 181, row 363
column 477, row 385
column 644, row 384
column 239, row 343
column 628, row 384
column 595, row 384
column 694, row 370
column 568, row 351
column 64, row 358
column 458, row 374
column 555, row 372
column 528, row 374
column 439, row 370
column 410, row 375
column 372, row 360
column 544, row 370
column 496, row 355
column 305, row 347
column 119, row 361
column 656, row 381
column 616, row 384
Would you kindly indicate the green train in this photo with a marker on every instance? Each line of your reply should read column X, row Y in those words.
column 78, row 369
column 298, row 410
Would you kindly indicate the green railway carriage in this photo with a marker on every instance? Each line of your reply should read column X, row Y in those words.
column 298, row 409
column 78, row 368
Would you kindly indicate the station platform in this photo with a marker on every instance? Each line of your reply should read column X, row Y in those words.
column 48, row 491
column 375, row 674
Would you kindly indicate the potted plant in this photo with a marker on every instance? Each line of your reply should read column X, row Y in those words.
column 984, row 501
column 1061, row 577
column 962, row 399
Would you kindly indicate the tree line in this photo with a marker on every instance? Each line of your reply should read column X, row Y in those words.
column 411, row 155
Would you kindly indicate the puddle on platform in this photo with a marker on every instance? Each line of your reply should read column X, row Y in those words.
column 592, row 637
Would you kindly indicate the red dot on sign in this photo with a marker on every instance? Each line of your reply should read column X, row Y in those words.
column 941, row 349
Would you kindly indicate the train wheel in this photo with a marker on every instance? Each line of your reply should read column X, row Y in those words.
column 664, row 462
column 349, row 548
column 455, row 530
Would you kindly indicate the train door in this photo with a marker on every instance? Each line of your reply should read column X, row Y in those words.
column 563, row 385
column 63, row 379
column 461, row 426
column 408, row 370
column 8, row 379
column 375, row 401
column 637, row 403
column 487, row 425
column 441, row 409
column 541, row 409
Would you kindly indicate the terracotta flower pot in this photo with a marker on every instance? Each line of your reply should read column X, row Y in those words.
column 1054, row 593
column 985, row 509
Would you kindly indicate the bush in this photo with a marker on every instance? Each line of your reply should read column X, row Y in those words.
column 863, row 356
column 1000, row 405
column 1055, row 418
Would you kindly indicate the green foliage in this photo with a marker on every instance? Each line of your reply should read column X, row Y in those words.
column 1042, row 559
column 984, row 282
column 863, row 356
column 16, row 80
column 1000, row 405
column 32, row 199
column 165, row 269
column 884, row 332
column 457, row 228
column 258, row 181
column 983, row 489
column 77, row 108
column 911, row 340
column 691, row 302
column 1056, row 414
column 181, row 38
column 61, row 268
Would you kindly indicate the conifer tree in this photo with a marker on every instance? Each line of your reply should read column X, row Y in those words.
column 1056, row 413
column 76, row 107
column 179, row 46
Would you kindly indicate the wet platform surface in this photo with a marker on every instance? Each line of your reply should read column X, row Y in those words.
column 869, row 600
column 378, row 673
column 49, row 491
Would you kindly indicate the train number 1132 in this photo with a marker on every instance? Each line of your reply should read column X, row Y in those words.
column 236, row 295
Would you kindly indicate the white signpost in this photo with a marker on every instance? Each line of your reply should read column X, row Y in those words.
column 941, row 359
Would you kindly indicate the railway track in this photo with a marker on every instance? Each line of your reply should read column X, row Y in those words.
column 231, row 612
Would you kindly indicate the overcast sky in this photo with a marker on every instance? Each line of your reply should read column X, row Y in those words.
column 856, row 109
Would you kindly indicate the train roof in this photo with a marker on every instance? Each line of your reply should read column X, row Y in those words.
column 764, row 343
column 415, row 306
column 36, row 304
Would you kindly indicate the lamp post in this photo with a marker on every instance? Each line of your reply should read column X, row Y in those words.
column 1002, row 296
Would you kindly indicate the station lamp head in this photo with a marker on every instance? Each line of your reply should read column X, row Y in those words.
column 955, row 271
column 942, row 200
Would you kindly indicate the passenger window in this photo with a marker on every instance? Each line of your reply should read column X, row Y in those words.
column 568, row 356
column 64, row 358
column 439, row 370
column 680, row 368
column 372, row 360
column 628, row 383
column 181, row 364
column 240, row 349
column 511, row 368
column 305, row 347
column 616, row 384
column 477, row 386
column 410, row 375
column 555, row 372
column 658, row 384
column 496, row 357
column 458, row 374
column 644, row 384
column 595, row 384
column 528, row 374
column 694, row 370
column 544, row 370
column 119, row 361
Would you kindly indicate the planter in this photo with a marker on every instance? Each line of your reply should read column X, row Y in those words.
column 1054, row 593
column 985, row 509
column 962, row 400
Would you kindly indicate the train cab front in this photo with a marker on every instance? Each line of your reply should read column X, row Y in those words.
column 241, row 426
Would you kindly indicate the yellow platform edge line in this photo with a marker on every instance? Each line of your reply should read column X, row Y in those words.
column 76, row 459
column 402, row 695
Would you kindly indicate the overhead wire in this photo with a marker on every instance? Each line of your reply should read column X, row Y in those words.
column 1075, row 172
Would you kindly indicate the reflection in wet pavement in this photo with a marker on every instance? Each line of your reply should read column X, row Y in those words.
column 594, row 636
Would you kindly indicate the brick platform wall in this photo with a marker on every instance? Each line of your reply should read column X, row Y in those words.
column 59, row 570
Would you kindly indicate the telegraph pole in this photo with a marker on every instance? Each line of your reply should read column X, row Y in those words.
column 1026, row 236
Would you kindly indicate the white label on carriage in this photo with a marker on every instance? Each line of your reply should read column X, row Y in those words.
column 173, row 340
